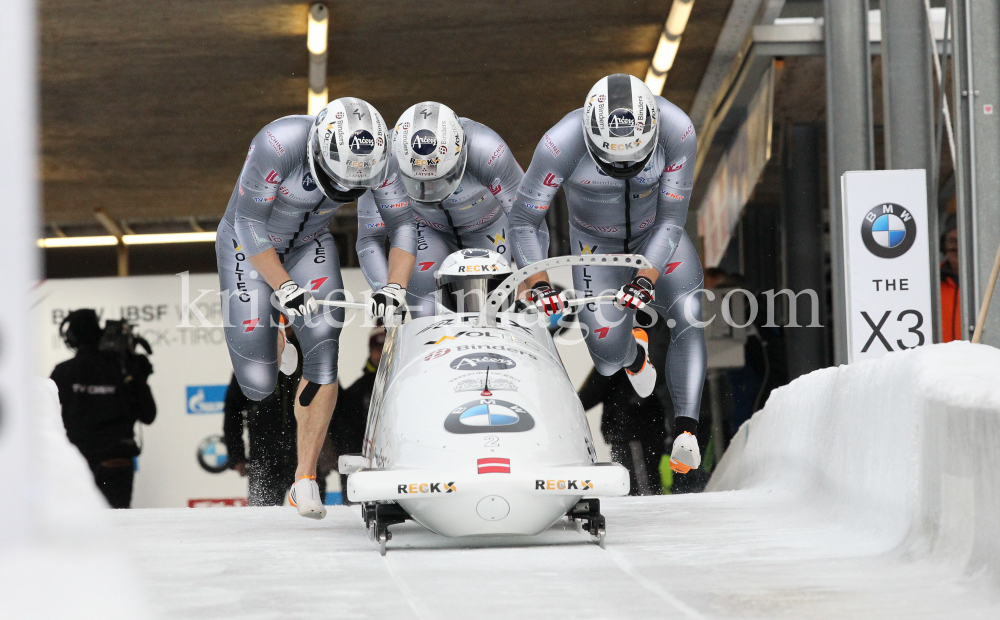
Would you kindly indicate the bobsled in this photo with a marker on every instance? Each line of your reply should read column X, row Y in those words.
column 474, row 427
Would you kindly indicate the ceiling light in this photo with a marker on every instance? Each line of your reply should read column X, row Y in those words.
column 680, row 11
column 79, row 242
column 169, row 238
column 666, row 48
column 319, row 21
column 317, row 101
column 76, row 242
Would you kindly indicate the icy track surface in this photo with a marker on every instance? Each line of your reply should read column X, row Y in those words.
column 742, row 554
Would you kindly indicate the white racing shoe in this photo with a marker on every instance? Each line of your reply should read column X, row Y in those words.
column 685, row 456
column 289, row 355
column 305, row 497
column 644, row 379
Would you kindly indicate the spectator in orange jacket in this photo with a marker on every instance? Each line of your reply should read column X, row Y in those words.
column 951, row 316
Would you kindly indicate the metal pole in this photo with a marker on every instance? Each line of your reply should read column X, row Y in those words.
column 848, row 130
column 802, row 223
column 983, row 41
column 908, row 106
column 963, row 199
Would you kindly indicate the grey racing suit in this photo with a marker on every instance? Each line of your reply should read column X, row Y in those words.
column 643, row 215
column 474, row 216
column 277, row 204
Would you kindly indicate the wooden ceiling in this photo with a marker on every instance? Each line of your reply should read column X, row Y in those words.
column 148, row 107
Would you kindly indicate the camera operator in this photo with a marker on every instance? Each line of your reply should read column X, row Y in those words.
column 103, row 392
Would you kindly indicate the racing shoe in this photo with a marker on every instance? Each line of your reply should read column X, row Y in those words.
column 305, row 497
column 685, row 456
column 641, row 373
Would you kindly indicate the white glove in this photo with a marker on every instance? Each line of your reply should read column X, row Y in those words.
column 294, row 300
column 388, row 300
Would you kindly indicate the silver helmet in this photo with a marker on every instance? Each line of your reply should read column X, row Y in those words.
column 620, row 125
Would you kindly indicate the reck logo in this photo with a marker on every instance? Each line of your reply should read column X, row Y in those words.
column 426, row 487
column 563, row 485
column 251, row 325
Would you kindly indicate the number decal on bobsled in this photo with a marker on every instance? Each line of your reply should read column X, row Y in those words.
column 492, row 441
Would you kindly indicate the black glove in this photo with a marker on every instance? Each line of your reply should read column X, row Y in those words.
column 636, row 294
column 547, row 299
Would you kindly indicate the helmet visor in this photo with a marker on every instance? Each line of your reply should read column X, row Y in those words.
column 436, row 190
column 467, row 293
column 619, row 169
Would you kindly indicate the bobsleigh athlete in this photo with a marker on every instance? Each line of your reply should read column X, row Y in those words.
column 626, row 163
column 461, row 179
column 276, row 257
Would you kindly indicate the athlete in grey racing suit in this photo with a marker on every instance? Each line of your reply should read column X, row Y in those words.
column 642, row 215
column 474, row 216
column 277, row 204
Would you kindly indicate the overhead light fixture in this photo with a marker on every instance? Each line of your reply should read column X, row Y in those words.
column 318, row 100
column 190, row 237
column 319, row 24
column 79, row 242
column 670, row 41
column 76, row 242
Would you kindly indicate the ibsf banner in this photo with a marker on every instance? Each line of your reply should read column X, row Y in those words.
column 886, row 262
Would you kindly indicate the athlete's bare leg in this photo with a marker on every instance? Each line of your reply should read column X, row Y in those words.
column 313, row 422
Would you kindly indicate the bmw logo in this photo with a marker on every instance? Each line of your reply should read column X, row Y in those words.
column 320, row 116
column 212, row 455
column 488, row 415
column 888, row 230
column 621, row 123
column 423, row 142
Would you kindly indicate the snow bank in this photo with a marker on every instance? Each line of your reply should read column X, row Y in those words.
column 73, row 568
column 905, row 448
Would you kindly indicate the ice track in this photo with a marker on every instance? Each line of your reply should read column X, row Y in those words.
column 719, row 555
column 864, row 491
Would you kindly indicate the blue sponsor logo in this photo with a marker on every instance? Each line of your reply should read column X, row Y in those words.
column 308, row 183
column 423, row 142
column 206, row 398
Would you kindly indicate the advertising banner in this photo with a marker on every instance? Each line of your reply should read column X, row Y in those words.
column 191, row 371
column 886, row 262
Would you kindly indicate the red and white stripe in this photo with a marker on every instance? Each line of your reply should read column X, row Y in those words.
column 494, row 466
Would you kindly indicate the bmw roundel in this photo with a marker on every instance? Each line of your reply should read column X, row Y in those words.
column 212, row 454
column 888, row 230
column 488, row 415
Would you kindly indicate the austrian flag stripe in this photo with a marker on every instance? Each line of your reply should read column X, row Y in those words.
column 494, row 466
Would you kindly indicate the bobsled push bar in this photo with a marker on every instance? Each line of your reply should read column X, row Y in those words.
column 488, row 316
column 602, row 479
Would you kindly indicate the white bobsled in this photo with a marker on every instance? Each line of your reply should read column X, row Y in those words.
column 474, row 426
